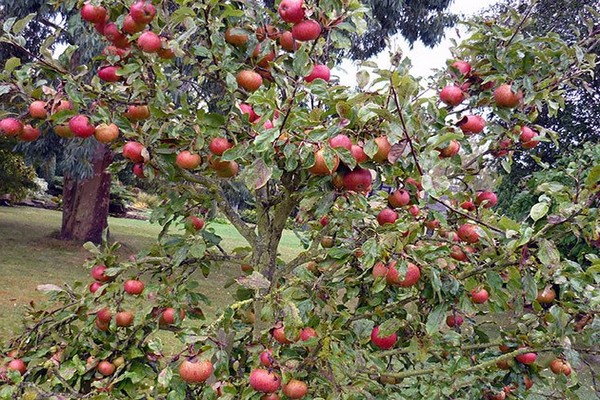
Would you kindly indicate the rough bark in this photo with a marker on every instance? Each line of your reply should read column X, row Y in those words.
column 85, row 202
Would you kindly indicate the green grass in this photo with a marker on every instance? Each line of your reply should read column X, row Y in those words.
column 30, row 255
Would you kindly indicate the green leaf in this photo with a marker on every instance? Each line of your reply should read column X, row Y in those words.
column 301, row 64
column 538, row 211
column 548, row 253
column 22, row 23
column 165, row 376
column 435, row 318
column 11, row 64
column 529, row 287
column 594, row 177
column 362, row 78
column 389, row 327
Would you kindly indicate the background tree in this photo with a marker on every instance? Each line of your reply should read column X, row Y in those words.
column 407, row 293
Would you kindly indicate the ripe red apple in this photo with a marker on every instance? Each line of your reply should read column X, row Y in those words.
column 451, row 150
column 142, row 12
column 149, row 42
column 133, row 151
column 453, row 320
column 168, row 316
column 468, row 205
column 379, row 270
column 197, row 223
column 187, row 160
column 138, row 170
column 307, row 333
column 340, row 140
column 132, row 27
column 320, row 167
column 414, row 210
column 279, row 336
column 98, row 273
column 526, row 358
column 93, row 14
column 295, row 389
column 137, row 113
column 324, row 220
column 264, row 381
column 133, row 286
column 271, row 396
column 487, row 198
column 99, row 27
column 384, row 343
column 266, row 357
column 225, row 169
column 462, row 66
column 287, row 41
column 62, row 105
column 291, row 11
column 37, row 109
column 17, row 365
column 306, row 30
column 383, row 149
column 106, row 133
column 195, row 371
column 109, row 74
column 358, row 180
column 247, row 109
column 387, row 216
column 80, row 126
column 249, row 80
column 124, row 318
column 319, row 71
column 11, row 126
column 104, row 315
column 399, row 198
column 471, row 124
column 114, row 35
column 452, row 95
column 236, row 39
column 504, row 96
column 413, row 273
column 526, row 138
column 458, row 254
column 468, row 233
column 359, row 154
column 29, row 133
column 546, row 296
column 219, row 145
column 94, row 286
column 479, row 296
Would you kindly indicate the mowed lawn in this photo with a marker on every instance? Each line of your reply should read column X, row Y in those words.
column 30, row 255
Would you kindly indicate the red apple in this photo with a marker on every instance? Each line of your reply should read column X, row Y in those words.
column 11, row 126
column 414, row 210
column 399, row 198
column 133, row 286
column 291, row 11
column 187, row 160
column 37, row 109
column 387, row 216
column 149, row 42
column 453, row 320
column 458, row 254
column 546, row 296
column 462, row 66
column 306, row 30
column 168, row 316
column 468, row 205
column 137, row 112
column 266, row 358
column 295, row 389
column 413, row 273
column 197, row 223
column 132, row 27
column 264, row 381
column 98, row 273
column 195, row 371
column 236, row 39
column 30, row 134
column 80, row 126
column 114, row 35
column 384, row 343
column 358, row 180
column 247, row 109
column 249, row 80
column 138, row 170
column 104, row 315
column 452, row 95
column 106, row 368
column 142, row 12
column 487, row 198
column 287, row 41
column 526, row 138
column 219, row 145
column 307, row 333
column 124, row 319
column 320, row 167
column 324, row 220
column 468, row 233
column 94, row 286
column 471, row 124
column 17, row 365
column 479, row 296
column 279, row 336
column 93, row 14
column 526, row 358
column 383, row 149
column 504, row 96
column 359, row 154
column 133, row 151
column 340, row 140
column 451, row 150
column 319, row 71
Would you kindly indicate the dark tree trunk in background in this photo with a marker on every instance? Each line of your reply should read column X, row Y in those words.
column 85, row 207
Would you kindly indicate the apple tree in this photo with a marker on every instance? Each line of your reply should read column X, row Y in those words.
column 410, row 284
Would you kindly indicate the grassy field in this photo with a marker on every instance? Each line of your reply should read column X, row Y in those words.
column 30, row 255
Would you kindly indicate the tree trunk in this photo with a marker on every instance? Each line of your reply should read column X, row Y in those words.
column 85, row 202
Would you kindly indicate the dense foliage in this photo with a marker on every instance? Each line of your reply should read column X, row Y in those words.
column 411, row 284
